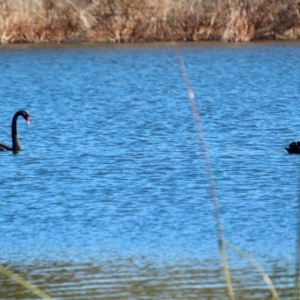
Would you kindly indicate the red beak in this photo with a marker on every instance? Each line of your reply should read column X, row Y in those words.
column 28, row 120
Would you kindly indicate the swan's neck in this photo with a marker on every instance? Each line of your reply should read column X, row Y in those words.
column 14, row 133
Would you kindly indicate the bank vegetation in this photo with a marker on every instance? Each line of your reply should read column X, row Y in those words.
column 42, row 21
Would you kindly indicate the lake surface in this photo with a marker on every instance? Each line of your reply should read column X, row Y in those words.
column 110, row 196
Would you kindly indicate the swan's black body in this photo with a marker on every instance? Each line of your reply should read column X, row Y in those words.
column 14, row 134
column 294, row 148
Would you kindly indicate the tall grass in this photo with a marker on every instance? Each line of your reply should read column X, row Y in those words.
column 40, row 21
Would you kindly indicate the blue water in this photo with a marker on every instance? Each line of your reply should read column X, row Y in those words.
column 111, row 165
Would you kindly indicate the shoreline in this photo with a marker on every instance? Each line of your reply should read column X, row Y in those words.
column 132, row 45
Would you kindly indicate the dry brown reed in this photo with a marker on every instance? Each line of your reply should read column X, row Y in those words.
column 39, row 21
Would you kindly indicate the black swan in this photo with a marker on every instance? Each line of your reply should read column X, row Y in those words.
column 14, row 134
column 294, row 148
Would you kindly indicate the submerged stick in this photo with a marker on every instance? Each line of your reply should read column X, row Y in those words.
column 197, row 120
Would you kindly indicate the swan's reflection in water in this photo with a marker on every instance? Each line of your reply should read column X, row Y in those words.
column 134, row 279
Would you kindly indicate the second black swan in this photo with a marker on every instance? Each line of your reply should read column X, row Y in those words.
column 294, row 148
column 14, row 134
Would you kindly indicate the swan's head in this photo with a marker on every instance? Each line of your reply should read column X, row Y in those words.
column 25, row 115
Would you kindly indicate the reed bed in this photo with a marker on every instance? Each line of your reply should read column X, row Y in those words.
column 41, row 21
